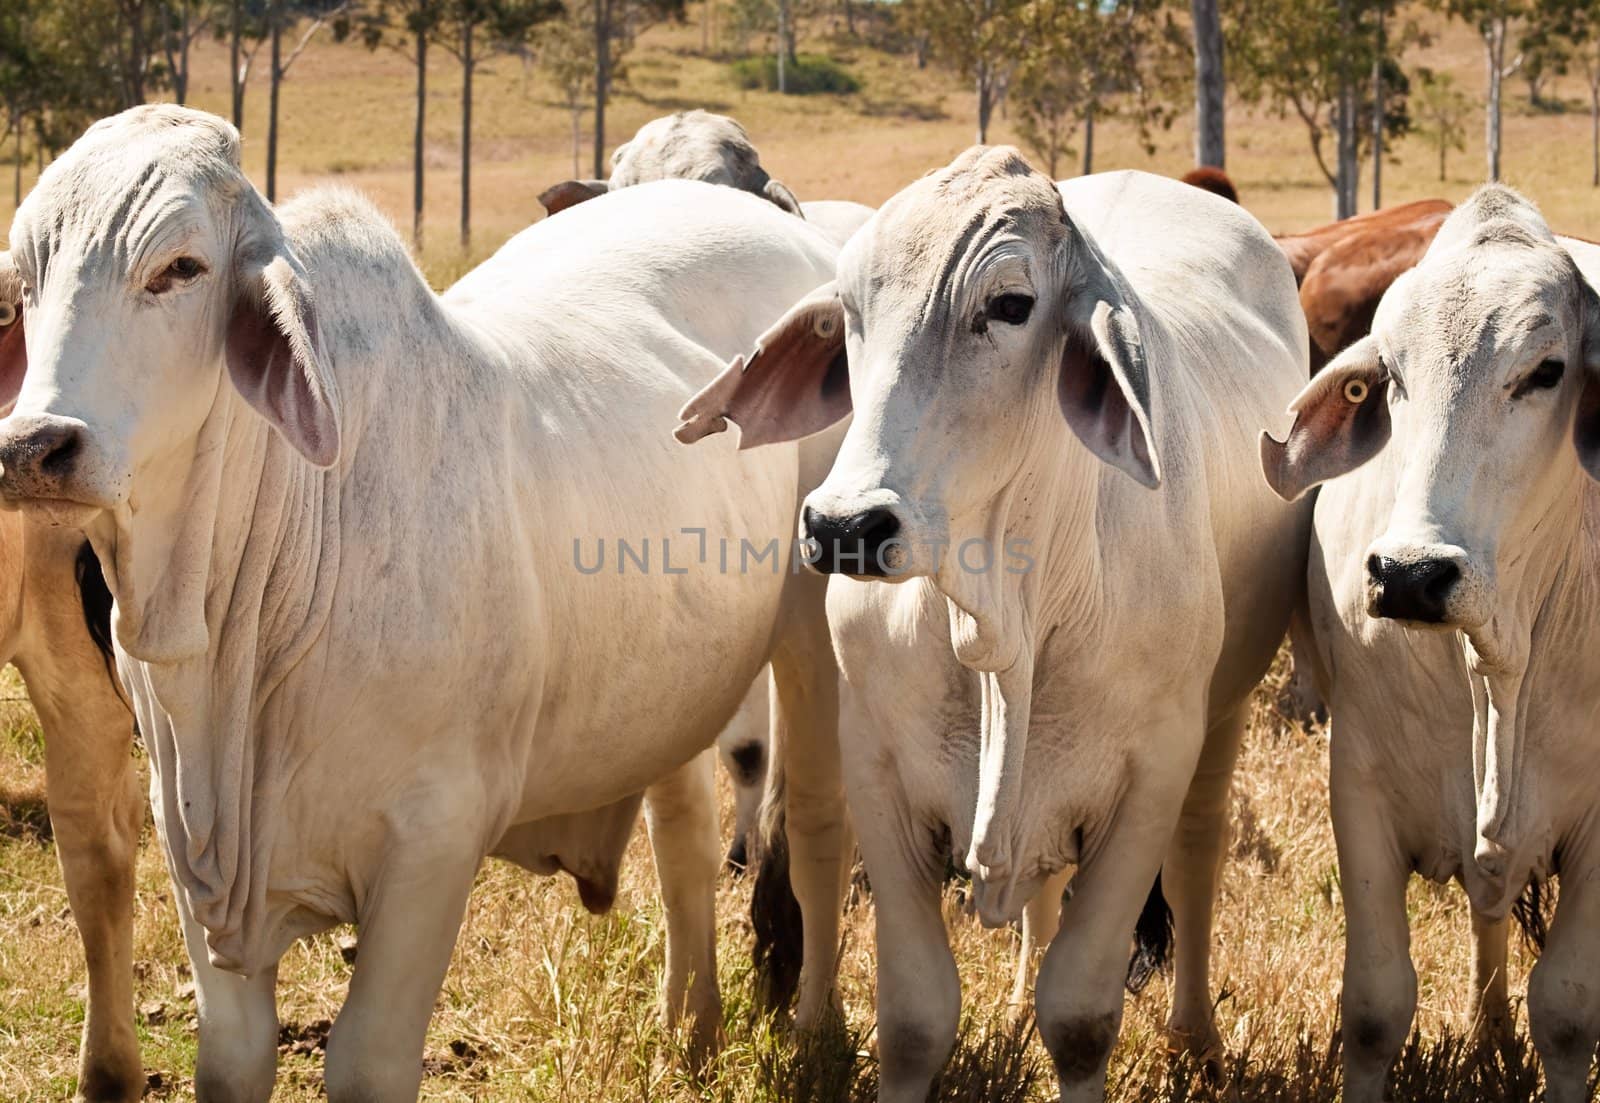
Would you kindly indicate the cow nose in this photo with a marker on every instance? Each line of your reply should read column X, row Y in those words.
column 852, row 545
column 38, row 454
column 1413, row 589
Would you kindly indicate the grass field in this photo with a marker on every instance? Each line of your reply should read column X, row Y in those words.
column 546, row 1003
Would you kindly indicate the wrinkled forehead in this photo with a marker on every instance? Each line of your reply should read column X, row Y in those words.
column 987, row 207
column 128, row 185
column 1472, row 307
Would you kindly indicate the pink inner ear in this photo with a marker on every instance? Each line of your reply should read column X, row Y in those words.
column 1097, row 410
column 13, row 361
column 268, row 375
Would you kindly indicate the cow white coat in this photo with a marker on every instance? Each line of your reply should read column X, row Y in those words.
column 1456, row 620
column 348, row 525
column 1055, row 396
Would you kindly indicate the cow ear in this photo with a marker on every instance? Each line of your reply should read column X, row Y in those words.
column 276, row 359
column 570, row 193
column 783, row 197
column 1586, row 428
column 1341, row 420
column 797, row 382
column 13, row 345
column 1104, row 383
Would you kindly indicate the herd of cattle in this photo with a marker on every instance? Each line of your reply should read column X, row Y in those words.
column 1015, row 506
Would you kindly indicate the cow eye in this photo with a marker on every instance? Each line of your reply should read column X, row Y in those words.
column 1542, row 378
column 1013, row 309
column 179, row 271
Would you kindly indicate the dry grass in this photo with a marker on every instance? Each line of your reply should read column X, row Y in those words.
column 544, row 1002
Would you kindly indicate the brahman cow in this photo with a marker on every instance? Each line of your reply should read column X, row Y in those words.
column 351, row 529
column 1456, row 621
column 1055, row 395
column 697, row 145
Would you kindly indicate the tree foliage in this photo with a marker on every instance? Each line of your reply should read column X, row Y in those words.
column 1304, row 59
column 1083, row 60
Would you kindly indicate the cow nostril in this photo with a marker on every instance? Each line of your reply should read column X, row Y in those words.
column 59, row 456
column 1375, row 568
column 1441, row 578
column 875, row 527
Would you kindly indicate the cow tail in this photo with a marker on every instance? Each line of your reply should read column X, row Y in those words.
column 1152, row 940
column 95, row 598
column 774, row 911
column 1533, row 911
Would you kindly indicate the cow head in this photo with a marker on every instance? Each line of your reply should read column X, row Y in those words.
column 149, row 269
column 1482, row 368
column 974, row 313
column 690, row 145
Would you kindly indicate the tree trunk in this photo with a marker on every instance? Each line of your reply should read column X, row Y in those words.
column 1377, row 114
column 1594, row 130
column 180, row 71
column 602, row 75
column 16, row 171
column 1088, row 140
column 1210, row 147
column 274, row 80
column 1344, row 125
column 467, row 65
column 985, row 105
column 1442, row 147
column 783, row 47
column 418, row 138
column 1494, row 50
column 577, row 138
column 236, row 78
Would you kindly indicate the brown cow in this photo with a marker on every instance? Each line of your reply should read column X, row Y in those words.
column 1213, row 180
column 1341, row 288
column 1304, row 248
column 55, row 625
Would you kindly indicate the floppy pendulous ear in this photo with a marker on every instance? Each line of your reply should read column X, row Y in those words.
column 1341, row 420
column 13, row 345
column 1104, row 382
column 783, row 197
column 276, row 361
column 1586, row 427
column 570, row 193
column 797, row 382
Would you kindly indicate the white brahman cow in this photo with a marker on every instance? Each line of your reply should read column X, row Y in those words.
column 352, row 528
column 1455, row 608
column 1053, row 453
column 697, row 145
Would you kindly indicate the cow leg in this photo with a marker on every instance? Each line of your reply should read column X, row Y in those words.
column 919, row 991
column 681, row 813
column 237, row 1054
column 1078, row 994
column 1491, row 1001
column 805, row 729
column 1040, row 921
column 1564, row 988
column 1189, row 880
column 96, row 810
column 408, row 928
column 1380, row 983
